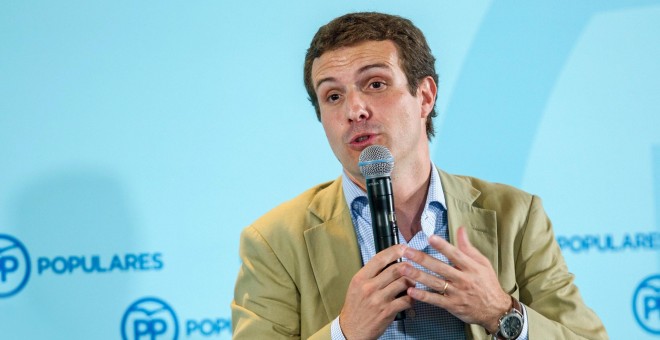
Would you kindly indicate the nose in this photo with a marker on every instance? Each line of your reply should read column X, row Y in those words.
column 356, row 107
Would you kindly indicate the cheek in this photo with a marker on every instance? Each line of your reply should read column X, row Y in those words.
column 332, row 132
column 330, row 122
column 326, row 126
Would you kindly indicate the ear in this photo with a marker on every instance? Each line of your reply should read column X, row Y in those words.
column 426, row 92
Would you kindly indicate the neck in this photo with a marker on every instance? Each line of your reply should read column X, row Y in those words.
column 410, row 192
column 410, row 184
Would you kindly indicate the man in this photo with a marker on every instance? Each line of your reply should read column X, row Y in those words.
column 479, row 258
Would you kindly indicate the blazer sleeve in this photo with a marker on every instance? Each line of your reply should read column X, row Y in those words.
column 555, row 308
column 266, row 300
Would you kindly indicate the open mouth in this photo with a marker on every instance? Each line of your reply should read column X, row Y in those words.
column 362, row 139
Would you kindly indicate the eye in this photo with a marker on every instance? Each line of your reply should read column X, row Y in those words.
column 377, row 85
column 333, row 97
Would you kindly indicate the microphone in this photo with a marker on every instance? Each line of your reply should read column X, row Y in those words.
column 376, row 164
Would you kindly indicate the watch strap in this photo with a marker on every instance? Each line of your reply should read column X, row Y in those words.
column 516, row 307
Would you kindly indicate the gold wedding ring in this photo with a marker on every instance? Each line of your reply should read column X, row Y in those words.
column 444, row 290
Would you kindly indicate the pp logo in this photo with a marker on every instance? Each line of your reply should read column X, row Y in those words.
column 14, row 266
column 646, row 304
column 149, row 318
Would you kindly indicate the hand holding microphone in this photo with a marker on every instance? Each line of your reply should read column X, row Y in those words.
column 376, row 164
column 376, row 293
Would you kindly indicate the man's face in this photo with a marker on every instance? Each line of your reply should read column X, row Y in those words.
column 364, row 100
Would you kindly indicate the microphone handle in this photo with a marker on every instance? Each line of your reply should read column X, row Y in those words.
column 383, row 218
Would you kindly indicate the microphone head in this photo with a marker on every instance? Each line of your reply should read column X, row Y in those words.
column 376, row 161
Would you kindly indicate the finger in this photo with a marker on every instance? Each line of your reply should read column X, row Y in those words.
column 455, row 255
column 429, row 297
column 429, row 280
column 396, row 287
column 463, row 243
column 402, row 303
column 382, row 260
column 387, row 277
column 431, row 263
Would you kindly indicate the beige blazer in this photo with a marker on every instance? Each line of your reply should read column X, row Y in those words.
column 299, row 258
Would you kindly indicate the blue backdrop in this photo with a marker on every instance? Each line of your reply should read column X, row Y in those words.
column 137, row 139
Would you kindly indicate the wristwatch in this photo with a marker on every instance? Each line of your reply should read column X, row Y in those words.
column 510, row 324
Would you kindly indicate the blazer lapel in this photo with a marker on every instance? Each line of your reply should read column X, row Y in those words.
column 480, row 224
column 332, row 246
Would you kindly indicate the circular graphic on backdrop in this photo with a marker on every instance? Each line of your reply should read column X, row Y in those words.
column 14, row 266
column 149, row 317
column 646, row 304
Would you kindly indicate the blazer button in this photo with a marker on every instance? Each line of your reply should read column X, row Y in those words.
column 410, row 313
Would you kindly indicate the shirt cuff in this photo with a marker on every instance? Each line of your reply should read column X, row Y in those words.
column 335, row 330
column 525, row 331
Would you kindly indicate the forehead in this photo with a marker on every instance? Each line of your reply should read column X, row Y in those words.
column 351, row 59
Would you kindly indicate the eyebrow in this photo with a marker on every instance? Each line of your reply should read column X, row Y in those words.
column 360, row 70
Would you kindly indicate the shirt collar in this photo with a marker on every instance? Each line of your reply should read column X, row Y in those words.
column 434, row 197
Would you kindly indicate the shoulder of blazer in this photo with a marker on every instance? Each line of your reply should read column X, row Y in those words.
column 483, row 194
column 312, row 207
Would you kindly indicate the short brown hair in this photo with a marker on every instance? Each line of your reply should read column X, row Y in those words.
column 351, row 29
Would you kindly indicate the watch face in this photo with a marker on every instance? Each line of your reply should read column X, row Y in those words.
column 511, row 326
